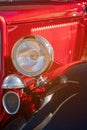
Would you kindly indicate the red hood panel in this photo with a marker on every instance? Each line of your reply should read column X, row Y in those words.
column 32, row 12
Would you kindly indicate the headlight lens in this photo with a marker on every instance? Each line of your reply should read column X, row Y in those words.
column 32, row 55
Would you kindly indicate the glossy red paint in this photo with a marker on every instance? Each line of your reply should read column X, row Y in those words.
column 63, row 20
column 62, row 24
column 37, row 12
column 3, row 40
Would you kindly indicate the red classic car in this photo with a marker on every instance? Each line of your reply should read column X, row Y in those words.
column 43, row 64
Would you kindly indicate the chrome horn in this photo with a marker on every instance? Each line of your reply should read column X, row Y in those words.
column 11, row 102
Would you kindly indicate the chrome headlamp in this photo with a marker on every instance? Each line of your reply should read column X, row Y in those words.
column 32, row 55
column 13, row 81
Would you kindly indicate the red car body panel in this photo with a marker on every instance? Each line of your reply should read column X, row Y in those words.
column 37, row 12
column 62, row 24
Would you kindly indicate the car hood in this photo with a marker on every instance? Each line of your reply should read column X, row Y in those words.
column 15, row 13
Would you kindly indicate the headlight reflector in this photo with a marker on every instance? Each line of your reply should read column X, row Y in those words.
column 32, row 55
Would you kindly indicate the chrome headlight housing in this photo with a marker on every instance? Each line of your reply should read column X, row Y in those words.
column 32, row 55
column 13, row 81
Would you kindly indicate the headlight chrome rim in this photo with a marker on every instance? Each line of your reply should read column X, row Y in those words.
column 39, row 44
